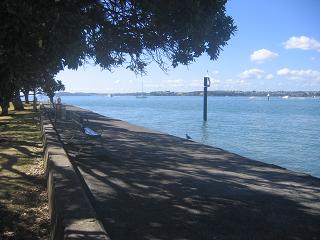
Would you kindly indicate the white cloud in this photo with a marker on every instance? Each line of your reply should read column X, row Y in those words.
column 262, row 55
column 313, row 58
column 182, row 83
column 269, row 77
column 283, row 72
column 302, row 42
column 214, row 81
column 177, row 85
column 252, row 73
column 175, row 82
column 234, row 81
column 302, row 74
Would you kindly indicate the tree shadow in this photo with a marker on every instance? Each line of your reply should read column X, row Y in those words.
column 7, row 217
column 150, row 185
column 19, row 190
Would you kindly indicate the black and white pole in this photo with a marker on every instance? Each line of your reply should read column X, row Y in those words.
column 206, row 84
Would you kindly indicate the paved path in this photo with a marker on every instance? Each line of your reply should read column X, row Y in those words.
column 149, row 185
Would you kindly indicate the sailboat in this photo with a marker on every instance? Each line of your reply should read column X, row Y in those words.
column 142, row 94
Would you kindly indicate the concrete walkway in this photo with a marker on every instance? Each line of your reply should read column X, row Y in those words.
column 149, row 185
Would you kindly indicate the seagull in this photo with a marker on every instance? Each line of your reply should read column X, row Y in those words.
column 188, row 137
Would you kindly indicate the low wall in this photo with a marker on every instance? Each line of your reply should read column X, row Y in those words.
column 72, row 216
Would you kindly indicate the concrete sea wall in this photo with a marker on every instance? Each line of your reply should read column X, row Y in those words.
column 72, row 216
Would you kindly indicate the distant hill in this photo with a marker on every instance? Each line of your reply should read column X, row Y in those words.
column 210, row 93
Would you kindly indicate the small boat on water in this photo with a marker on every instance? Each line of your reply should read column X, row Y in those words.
column 285, row 97
column 142, row 94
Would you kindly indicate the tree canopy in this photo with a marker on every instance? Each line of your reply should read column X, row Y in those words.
column 42, row 37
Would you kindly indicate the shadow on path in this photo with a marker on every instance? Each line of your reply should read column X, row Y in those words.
column 150, row 185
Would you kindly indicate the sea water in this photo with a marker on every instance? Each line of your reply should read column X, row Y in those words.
column 285, row 132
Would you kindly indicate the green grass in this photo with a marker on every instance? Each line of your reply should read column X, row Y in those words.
column 23, row 200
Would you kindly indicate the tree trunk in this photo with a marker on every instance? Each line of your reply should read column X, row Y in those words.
column 17, row 103
column 4, row 106
column 51, row 100
column 5, row 111
column 34, row 101
column 26, row 96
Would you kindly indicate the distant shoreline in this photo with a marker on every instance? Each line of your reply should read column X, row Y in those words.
column 210, row 93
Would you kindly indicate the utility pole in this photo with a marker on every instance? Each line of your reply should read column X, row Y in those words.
column 206, row 84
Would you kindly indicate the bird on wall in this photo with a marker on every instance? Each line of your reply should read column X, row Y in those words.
column 188, row 137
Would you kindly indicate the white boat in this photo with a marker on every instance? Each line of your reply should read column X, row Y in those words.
column 142, row 94
column 285, row 97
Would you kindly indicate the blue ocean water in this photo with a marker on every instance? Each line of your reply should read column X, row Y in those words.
column 285, row 132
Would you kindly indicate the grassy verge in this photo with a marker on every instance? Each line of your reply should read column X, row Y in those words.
column 23, row 199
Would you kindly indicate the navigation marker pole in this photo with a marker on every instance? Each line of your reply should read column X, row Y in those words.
column 206, row 84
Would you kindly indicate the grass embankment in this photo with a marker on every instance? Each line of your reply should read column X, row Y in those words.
column 23, row 198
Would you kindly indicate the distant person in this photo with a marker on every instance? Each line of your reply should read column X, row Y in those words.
column 58, row 108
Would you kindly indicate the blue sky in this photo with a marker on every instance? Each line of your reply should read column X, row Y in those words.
column 276, row 47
